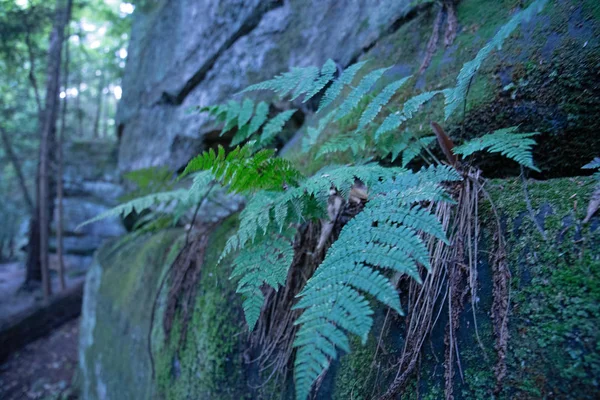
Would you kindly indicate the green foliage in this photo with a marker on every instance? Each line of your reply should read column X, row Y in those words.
column 303, row 81
column 516, row 146
column 386, row 235
column 456, row 96
column 381, row 100
column 393, row 121
column 147, row 181
column 267, row 263
column 359, row 92
column 244, row 171
column 249, row 120
column 140, row 204
column 336, row 88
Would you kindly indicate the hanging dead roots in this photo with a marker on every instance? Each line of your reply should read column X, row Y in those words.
column 447, row 15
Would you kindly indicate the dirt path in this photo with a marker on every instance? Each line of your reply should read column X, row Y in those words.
column 43, row 369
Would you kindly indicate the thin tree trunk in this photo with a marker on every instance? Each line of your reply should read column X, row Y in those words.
column 78, row 106
column 59, row 174
column 48, row 138
column 17, row 166
column 32, row 79
column 99, row 106
column 105, row 115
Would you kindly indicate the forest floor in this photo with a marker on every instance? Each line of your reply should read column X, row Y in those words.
column 44, row 369
column 14, row 301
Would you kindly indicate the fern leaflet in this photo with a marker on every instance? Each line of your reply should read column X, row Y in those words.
column 456, row 96
column 336, row 88
column 381, row 100
column 516, row 146
column 358, row 93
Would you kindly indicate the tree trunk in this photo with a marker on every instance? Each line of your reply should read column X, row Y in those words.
column 17, row 166
column 99, row 106
column 59, row 174
column 45, row 205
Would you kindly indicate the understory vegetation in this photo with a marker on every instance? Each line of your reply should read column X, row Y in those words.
column 315, row 256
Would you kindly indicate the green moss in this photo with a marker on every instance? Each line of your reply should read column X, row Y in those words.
column 356, row 375
column 208, row 364
column 555, row 290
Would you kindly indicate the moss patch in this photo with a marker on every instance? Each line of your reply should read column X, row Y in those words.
column 209, row 363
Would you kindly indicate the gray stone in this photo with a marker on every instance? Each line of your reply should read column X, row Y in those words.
column 201, row 52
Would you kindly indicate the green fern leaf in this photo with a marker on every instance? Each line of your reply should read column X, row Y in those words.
column 310, row 74
column 381, row 100
column 414, row 148
column 516, row 146
column 140, row 204
column 456, row 96
column 325, row 76
column 341, row 143
column 266, row 263
column 359, row 92
column 385, row 235
column 412, row 105
column 275, row 125
column 336, row 88
column 245, row 112
column 233, row 111
column 313, row 134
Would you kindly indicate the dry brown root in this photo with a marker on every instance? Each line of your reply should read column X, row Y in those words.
column 448, row 8
column 433, row 41
column 451, row 22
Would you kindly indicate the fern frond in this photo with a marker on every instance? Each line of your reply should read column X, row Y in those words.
column 456, row 96
column 381, row 100
column 594, row 164
column 359, row 92
column 275, row 125
column 341, row 143
column 140, row 204
column 414, row 148
column 336, row 88
column 313, row 133
column 243, row 171
column 411, row 106
column 245, row 112
column 326, row 75
column 385, row 235
column 266, row 263
column 246, row 131
column 516, row 146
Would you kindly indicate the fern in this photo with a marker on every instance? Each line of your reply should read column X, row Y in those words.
column 275, row 125
column 358, row 93
column 341, row 143
column 242, row 171
column 381, row 100
column 336, row 88
column 313, row 133
column 140, row 204
column 393, row 121
column 456, row 96
column 384, row 236
column 516, row 146
column 303, row 81
column 267, row 263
